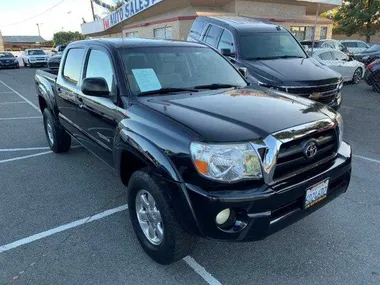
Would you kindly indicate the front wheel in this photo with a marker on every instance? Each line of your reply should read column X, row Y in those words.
column 59, row 140
column 358, row 74
column 154, row 222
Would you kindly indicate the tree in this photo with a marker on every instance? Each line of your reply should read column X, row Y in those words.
column 358, row 16
column 66, row 37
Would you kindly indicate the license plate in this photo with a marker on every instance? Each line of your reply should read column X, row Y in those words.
column 316, row 193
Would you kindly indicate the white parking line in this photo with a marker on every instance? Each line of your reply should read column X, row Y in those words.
column 24, row 157
column 6, row 92
column 22, row 97
column 23, row 149
column 367, row 158
column 20, row 118
column 6, row 103
column 201, row 271
column 62, row 228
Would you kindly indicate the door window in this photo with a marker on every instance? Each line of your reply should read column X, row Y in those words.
column 362, row 45
column 350, row 44
column 99, row 65
column 226, row 41
column 73, row 64
column 212, row 35
column 197, row 29
column 339, row 55
column 326, row 56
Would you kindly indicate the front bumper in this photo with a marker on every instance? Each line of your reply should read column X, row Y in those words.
column 9, row 65
column 263, row 210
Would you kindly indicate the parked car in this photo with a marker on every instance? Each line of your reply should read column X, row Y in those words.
column 34, row 57
column 54, row 61
column 350, row 69
column 58, row 50
column 8, row 60
column 372, row 75
column 202, row 155
column 272, row 55
column 355, row 46
column 332, row 44
column 369, row 55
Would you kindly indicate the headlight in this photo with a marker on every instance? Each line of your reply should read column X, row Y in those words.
column 226, row 162
column 365, row 57
column 339, row 120
column 15, row 61
column 340, row 86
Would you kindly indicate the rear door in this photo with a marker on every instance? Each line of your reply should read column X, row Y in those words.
column 212, row 35
column 67, row 87
column 97, row 114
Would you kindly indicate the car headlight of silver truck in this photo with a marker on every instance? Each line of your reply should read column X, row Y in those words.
column 226, row 162
column 340, row 123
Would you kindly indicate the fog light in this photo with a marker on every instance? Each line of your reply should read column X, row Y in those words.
column 223, row 216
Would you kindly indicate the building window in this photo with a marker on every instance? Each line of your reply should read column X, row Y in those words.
column 163, row 33
column 323, row 35
column 132, row 34
column 309, row 33
column 299, row 32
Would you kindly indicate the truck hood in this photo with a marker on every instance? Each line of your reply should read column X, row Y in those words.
column 236, row 115
column 291, row 72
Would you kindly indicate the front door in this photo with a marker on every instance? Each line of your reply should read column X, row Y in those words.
column 97, row 114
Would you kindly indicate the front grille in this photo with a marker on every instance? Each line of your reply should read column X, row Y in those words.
column 325, row 94
column 291, row 159
column 40, row 58
column 310, row 90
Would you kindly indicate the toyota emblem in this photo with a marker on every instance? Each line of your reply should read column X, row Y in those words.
column 310, row 150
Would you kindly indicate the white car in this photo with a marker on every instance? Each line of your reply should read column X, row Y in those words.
column 34, row 57
column 351, row 70
column 355, row 46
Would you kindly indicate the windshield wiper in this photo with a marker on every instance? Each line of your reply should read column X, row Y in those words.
column 167, row 91
column 289, row 56
column 216, row 86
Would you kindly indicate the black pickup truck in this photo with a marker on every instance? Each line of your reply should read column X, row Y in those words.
column 201, row 154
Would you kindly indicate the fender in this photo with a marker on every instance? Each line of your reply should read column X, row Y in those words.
column 45, row 89
column 145, row 150
column 163, row 170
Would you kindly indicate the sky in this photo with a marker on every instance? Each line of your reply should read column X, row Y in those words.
column 67, row 16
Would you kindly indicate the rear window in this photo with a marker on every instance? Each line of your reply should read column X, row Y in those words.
column 73, row 65
column 350, row 44
column 197, row 29
column 36, row 52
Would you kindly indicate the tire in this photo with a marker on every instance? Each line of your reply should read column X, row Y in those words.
column 358, row 74
column 58, row 139
column 175, row 243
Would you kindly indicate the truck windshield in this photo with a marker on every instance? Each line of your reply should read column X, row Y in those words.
column 36, row 52
column 176, row 69
column 269, row 46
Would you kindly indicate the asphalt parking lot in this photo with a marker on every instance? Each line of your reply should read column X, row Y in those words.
column 63, row 218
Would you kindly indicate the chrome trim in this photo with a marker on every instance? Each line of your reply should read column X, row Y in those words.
column 314, row 86
column 273, row 142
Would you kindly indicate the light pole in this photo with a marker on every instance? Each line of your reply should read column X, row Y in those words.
column 38, row 27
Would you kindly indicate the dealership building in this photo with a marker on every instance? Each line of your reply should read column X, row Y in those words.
column 172, row 19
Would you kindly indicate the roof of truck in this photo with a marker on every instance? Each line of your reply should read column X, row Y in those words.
column 247, row 24
column 138, row 42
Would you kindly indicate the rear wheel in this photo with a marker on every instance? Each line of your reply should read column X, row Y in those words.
column 59, row 140
column 358, row 74
column 154, row 222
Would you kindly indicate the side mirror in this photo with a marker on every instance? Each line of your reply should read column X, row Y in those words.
column 244, row 71
column 95, row 86
column 306, row 48
column 227, row 52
